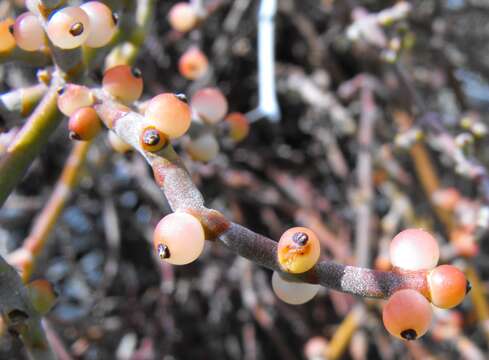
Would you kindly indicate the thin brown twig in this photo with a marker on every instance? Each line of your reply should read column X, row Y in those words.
column 56, row 343
column 363, row 206
column 479, row 300
column 344, row 332
column 44, row 223
column 425, row 170
column 363, row 229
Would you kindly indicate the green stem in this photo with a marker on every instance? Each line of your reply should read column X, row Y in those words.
column 33, row 58
column 127, row 51
column 29, row 141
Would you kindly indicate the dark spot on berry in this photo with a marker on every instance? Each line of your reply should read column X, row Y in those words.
column 151, row 137
column 76, row 29
column 182, row 97
column 11, row 29
column 74, row 136
column 163, row 251
column 136, row 72
column 300, row 238
column 409, row 334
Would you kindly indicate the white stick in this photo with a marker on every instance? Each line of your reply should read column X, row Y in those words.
column 267, row 102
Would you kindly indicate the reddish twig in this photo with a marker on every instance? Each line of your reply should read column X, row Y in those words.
column 46, row 220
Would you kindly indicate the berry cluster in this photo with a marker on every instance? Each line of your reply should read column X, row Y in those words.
column 92, row 24
column 184, row 17
column 209, row 107
column 169, row 116
column 417, row 250
column 179, row 237
column 298, row 250
column 415, row 284
column 75, row 101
